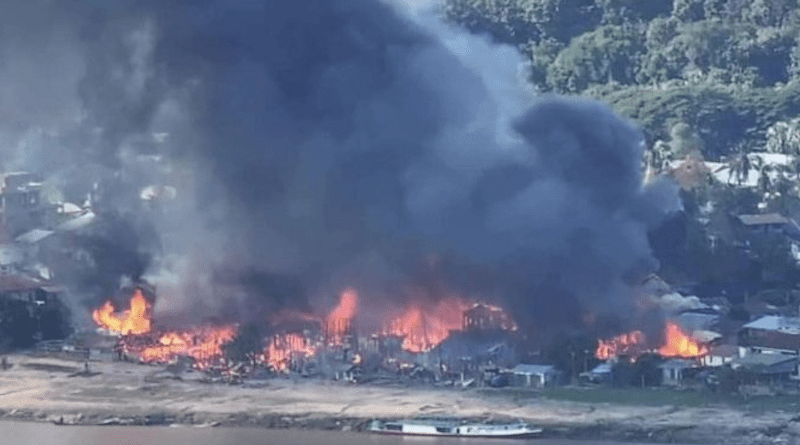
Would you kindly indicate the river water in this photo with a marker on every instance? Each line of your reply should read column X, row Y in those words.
column 23, row 433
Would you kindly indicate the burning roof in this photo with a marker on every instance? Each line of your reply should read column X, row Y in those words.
column 677, row 343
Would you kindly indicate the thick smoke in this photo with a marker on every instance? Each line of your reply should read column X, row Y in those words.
column 355, row 143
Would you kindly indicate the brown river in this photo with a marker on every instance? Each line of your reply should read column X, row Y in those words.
column 22, row 433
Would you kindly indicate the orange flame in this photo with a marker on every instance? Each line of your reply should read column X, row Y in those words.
column 135, row 320
column 678, row 344
column 203, row 344
column 632, row 343
column 422, row 330
column 339, row 320
column 283, row 348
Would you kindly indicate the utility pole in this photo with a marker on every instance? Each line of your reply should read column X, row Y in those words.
column 572, row 368
column 585, row 360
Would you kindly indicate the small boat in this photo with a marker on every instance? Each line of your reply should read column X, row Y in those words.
column 454, row 429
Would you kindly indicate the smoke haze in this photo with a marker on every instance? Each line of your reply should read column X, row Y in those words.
column 326, row 144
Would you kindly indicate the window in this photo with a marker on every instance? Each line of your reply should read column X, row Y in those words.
column 441, row 429
column 394, row 427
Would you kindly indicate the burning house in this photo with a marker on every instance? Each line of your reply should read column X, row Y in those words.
column 306, row 343
column 677, row 351
column 485, row 317
column 375, row 165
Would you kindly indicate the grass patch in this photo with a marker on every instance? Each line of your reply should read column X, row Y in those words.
column 651, row 397
column 670, row 397
column 629, row 396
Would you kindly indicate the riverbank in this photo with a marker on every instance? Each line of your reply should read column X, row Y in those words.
column 51, row 390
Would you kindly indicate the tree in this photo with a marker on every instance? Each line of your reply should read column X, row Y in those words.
column 609, row 53
column 685, row 141
column 687, row 10
column 507, row 21
column 784, row 137
column 660, row 31
column 615, row 12
column 542, row 55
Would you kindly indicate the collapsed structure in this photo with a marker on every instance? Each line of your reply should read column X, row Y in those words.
column 308, row 343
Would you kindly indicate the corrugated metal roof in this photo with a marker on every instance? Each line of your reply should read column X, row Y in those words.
column 602, row 368
column 678, row 363
column 77, row 222
column 786, row 325
column 763, row 359
column 693, row 321
column 533, row 369
column 34, row 236
column 761, row 219
column 17, row 282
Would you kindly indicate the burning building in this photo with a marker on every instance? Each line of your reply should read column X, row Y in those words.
column 301, row 341
column 485, row 317
column 676, row 344
column 339, row 163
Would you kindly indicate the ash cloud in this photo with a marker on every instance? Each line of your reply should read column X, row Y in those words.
column 345, row 142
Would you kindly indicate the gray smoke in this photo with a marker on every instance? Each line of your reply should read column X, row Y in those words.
column 354, row 143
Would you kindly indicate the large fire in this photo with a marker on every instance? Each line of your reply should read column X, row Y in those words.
column 630, row 344
column 339, row 322
column 424, row 328
column 297, row 335
column 677, row 343
column 136, row 320
column 282, row 349
column 203, row 344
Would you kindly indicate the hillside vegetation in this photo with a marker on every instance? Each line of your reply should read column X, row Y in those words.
column 729, row 69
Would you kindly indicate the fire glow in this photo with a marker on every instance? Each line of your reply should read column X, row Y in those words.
column 203, row 344
column 422, row 329
column 283, row 348
column 339, row 322
column 633, row 344
column 136, row 320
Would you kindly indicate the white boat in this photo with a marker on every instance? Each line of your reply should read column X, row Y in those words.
column 454, row 429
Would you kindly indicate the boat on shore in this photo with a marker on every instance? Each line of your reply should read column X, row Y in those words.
column 445, row 428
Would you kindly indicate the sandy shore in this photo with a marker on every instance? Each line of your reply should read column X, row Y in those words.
column 42, row 389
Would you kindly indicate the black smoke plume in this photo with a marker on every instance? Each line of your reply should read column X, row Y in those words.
column 347, row 143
